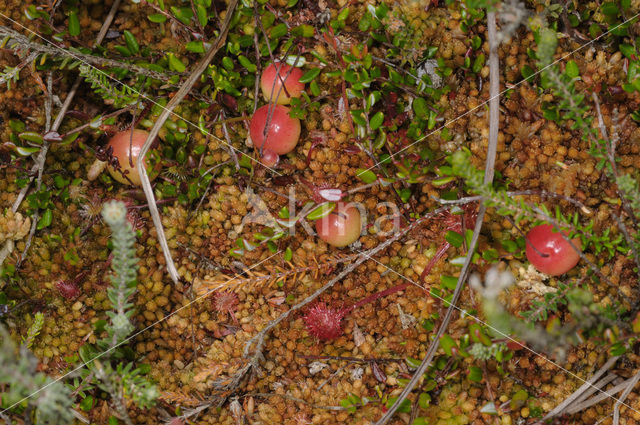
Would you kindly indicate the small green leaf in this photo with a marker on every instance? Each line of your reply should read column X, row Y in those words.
column 45, row 220
column 428, row 325
column 184, row 14
column 157, row 18
column 244, row 61
column 227, row 63
column 405, row 194
column 366, row 176
column 310, row 75
column 519, row 399
column 175, row 63
column 454, row 238
column 431, row 122
column 278, row 31
column 284, row 212
column 442, row 181
column 17, row 126
column 303, row 31
column 475, row 374
column 123, row 50
column 87, row 403
column 448, row 344
column 196, row 46
column 572, row 70
column 314, row 88
column 420, row 107
column 424, row 400
column 321, row 210
column 476, row 42
column 627, row 50
column 201, row 14
column 74, row 24
column 272, row 246
column 478, row 63
column 413, row 363
column 288, row 254
column 509, row 246
column 132, row 43
column 527, row 72
column 405, row 405
column 609, row 9
column 478, row 335
column 31, row 136
column 376, row 120
column 26, row 151
column 449, row 282
column 344, row 14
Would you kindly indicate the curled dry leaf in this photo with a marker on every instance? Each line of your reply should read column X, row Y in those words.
column 358, row 336
column 331, row 194
column 377, row 372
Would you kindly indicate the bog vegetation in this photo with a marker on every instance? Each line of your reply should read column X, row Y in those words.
column 289, row 211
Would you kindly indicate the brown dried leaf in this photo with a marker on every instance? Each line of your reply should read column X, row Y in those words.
column 377, row 372
column 183, row 399
column 358, row 336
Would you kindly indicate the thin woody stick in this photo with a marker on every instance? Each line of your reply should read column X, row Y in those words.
column 153, row 133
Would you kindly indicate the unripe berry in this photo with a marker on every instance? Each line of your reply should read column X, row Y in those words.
column 125, row 146
column 341, row 227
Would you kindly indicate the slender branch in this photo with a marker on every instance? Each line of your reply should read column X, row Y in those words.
column 232, row 152
column 623, row 396
column 494, row 122
column 598, row 386
column 166, row 111
column 610, row 393
column 584, row 387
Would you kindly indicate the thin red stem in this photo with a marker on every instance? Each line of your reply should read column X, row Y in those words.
column 439, row 254
column 377, row 295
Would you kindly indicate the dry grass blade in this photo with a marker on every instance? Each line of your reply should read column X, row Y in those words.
column 579, row 392
column 494, row 123
column 297, row 272
column 180, row 398
column 153, row 133
column 604, row 395
column 616, row 409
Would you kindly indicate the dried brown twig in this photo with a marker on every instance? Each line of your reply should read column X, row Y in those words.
column 224, row 282
column 494, row 122
column 616, row 409
column 560, row 408
column 257, row 341
column 153, row 133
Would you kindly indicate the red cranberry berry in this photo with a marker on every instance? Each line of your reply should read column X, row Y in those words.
column 552, row 254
